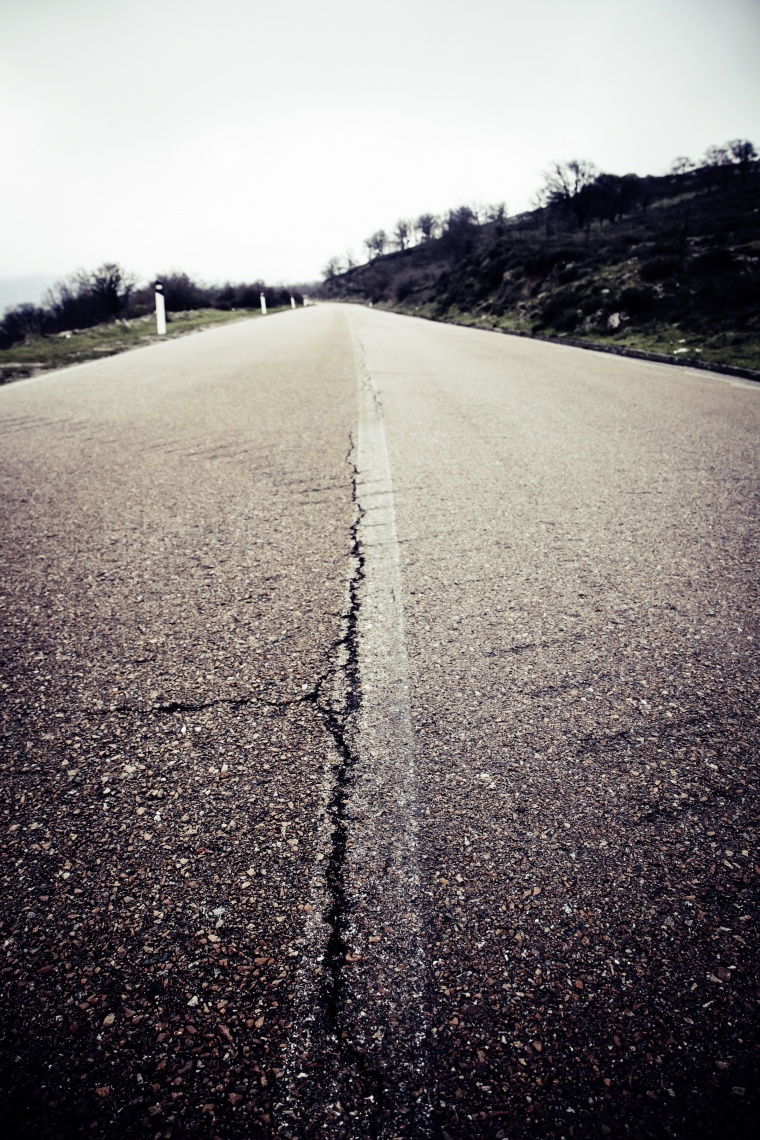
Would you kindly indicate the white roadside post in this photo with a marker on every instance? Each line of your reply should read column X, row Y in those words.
column 292, row 302
column 263, row 305
column 160, row 310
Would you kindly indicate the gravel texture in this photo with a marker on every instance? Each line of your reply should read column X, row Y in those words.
column 200, row 928
column 174, row 573
column 579, row 554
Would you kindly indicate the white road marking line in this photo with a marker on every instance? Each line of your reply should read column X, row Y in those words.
column 365, row 1047
column 383, row 870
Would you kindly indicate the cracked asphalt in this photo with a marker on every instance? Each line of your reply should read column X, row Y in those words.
column 200, row 906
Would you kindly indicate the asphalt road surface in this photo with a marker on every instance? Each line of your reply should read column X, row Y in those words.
column 378, row 741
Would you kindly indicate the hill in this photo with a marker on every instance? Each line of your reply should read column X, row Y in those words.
column 668, row 265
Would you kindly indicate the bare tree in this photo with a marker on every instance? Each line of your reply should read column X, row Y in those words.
column 742, row 153
column 681, row 165
column 89, row 298
column 427, row 225
column 613, row 195
column 111, row 285
column 497, row 212
column 458, row 229
column 717, row 156
column 182, row 293
column 376, row 244
column 717, row 163
column 567, row 187
column 402, row 234
column 22, row 323
column 333, row 268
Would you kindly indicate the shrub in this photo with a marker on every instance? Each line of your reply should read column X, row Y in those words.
column 635, row 301
column 566, row 321
column 546, row 260
column 660, row 268
column 665, row 249
column 89, row 298
column 560, row 311
column 182, row 293
column 731, row 295
column 20, row 323
column 493, row 272
column 568, row 274
column 718, row 260
column 404, row 286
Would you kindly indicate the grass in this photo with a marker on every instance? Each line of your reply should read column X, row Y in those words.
column 732, row 349
column 727, row 349
column 723, row 348
column 47, row 353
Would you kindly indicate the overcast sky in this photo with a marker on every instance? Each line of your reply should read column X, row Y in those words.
column 242, row 139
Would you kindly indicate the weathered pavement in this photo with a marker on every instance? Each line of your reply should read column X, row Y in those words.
column 379, row 740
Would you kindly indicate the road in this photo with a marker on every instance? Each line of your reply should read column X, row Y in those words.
column 378, row 739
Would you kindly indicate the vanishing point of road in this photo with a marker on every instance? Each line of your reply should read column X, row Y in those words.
column 379, row 740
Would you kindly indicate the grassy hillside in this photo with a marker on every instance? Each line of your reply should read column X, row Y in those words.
column 679, row 275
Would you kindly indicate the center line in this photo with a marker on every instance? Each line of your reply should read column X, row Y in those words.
column 383, row 878
column 359, row 1049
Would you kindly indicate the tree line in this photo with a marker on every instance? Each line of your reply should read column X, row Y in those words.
column 451, row 227
column 574, row 194
column 110, row 293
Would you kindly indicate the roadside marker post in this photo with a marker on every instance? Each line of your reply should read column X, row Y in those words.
column 160, row 310
column 292, row 302
column 263, row 305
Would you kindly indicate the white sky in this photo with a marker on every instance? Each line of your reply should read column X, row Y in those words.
column 242, row 139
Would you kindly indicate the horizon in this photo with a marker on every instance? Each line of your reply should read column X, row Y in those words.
column 33, row 288
column 263, row 144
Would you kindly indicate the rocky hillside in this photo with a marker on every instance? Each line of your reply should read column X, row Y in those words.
column 674, row 269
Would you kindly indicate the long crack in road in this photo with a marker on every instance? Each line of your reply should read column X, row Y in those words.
column 379, row 740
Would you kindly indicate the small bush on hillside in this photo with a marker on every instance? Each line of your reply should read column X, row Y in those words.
column 730, row 294
column 404, row 287
column 21, row 323
column 560, row 310
column 717, row 260
column 566, row 321
column 493, row 272
column 659, row 268
column 665, row 249
column 89, row 298
column 546, row 260
column 592, row 303
column 568, row 274
column 181, row 293
column 635, row 301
